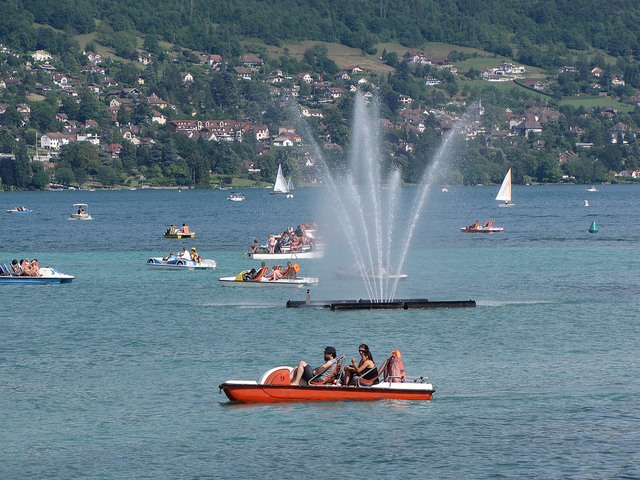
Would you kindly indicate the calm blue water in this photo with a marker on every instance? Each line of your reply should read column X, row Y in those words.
column 115, row 375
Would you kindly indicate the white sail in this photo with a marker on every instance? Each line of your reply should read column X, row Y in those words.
column 290, row 185
column 504, row 195
column 281, row 183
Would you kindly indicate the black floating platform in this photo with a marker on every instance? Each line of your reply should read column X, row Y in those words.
column 406, row 304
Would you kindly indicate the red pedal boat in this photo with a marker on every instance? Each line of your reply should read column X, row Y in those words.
column 274, row 386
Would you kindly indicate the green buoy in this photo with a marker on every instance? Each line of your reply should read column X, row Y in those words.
column 593, row 228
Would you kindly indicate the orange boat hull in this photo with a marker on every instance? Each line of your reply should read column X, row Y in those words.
column 257, row 393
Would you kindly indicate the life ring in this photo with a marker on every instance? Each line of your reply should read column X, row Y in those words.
column 179, row 262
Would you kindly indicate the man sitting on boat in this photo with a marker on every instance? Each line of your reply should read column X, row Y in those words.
column 291, row 270
column 16, row 267
column 171, row 256
column 255, row 247
column 303, row 372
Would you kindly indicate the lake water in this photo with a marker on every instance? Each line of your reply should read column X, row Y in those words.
column 115, row 375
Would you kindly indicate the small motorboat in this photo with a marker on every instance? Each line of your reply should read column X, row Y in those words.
column 19, row 210
column 260, row 278
column 591, row 189
column 275, row 386
column 477, row 227
column 179, row 263
column 48, row 275
column 235, row 197
column 81, row 212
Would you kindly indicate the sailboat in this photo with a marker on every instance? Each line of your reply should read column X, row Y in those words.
column 504, row 195
column 281, row 186
column 290, row 188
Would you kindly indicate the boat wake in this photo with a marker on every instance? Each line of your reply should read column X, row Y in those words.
column 504, row 303
column 241, row 305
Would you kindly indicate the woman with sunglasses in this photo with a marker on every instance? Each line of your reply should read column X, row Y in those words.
column 366, row 363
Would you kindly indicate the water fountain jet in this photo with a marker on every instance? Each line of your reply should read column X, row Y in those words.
column 368, row 218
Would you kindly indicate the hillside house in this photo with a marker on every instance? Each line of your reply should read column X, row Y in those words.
column 529, row 125
column 335, row 92
column 215, row 62
column 88, row 137
column 274, row 79
column 260, row 131
column 619, row 133
column 158, row 117
column 617, row 81
column 242, row 72
column 251, row 60
column 187, row 78
column 41, row 56
column 55, row 140
column 283, row 141
column 440, row 61
column 535, row 84
column 47, row 67
column 156, row 101
column 114, row 150
column 93, row 57
column 415, row 56
column 145, row 59
column 93, row 68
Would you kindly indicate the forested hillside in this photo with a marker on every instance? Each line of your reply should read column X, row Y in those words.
column 190, row 92
column 493, row 25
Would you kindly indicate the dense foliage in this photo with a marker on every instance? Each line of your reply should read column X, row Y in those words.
column 493, row 25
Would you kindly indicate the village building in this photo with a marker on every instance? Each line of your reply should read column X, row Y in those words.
column 41, row 56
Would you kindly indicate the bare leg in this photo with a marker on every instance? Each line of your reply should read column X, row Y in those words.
column 347, row 375
column 296, row 373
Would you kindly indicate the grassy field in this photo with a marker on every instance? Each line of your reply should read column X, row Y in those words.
column 597, row 102
column 347, row 56
column 237, row 182
column 343, row 56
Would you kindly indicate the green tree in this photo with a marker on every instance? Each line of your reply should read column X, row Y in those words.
column 22, row 173
column 107, row 175
column 40, row 180
column 65, row 175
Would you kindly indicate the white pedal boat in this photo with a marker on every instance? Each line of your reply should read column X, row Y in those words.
column 158, row 263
